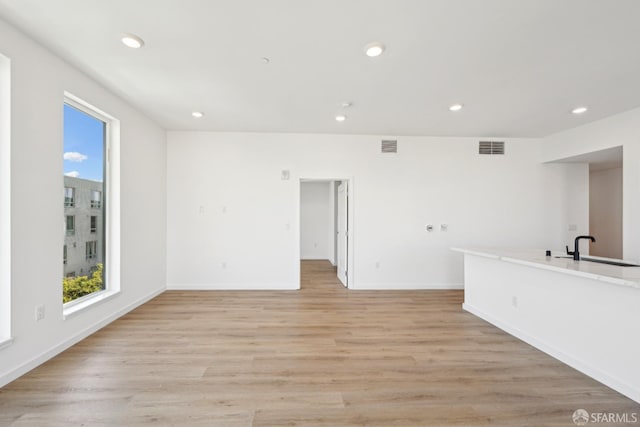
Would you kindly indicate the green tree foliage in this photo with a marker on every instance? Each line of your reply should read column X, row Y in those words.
column 76, row 287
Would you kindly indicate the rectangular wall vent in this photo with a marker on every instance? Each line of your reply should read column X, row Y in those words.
column 491, row 147
column 389, row 146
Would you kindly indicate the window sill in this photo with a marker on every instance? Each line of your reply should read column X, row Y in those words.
column 73, row 308
column 6, row 343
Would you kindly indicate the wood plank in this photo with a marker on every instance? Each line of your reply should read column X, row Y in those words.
column 324, row 355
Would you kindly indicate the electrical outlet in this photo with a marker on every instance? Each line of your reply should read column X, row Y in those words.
column 223, row 264
column 514, row 301
column 39, row 313
column 378, row 264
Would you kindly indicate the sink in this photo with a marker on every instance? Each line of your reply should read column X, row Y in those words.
column 610, row 262
column 601, row 261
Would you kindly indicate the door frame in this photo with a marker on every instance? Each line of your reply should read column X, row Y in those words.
column 350, row 224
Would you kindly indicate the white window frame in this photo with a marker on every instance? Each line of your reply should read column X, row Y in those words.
column 93, row 225
column 91, row 249
column 96, row 203
column 72, row 200
column 5, row 202
column 111, row 193
column 69, row 231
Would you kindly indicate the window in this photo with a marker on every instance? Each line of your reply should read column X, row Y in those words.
column 69, row 199
column 70, row 225
column 96, row 198
column 64, row 255
column 5, row 200
column 89, row 135
column 91, row 249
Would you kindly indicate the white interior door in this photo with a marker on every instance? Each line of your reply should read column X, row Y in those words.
column 342, row 233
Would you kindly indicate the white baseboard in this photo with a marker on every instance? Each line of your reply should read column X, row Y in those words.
column 598, row 374
column 393, row 286
column 232, row 286
column 13, row 374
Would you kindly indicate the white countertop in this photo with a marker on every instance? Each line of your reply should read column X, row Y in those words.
column 625, row 276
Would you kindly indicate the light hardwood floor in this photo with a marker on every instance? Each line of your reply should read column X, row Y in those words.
column 321, row 356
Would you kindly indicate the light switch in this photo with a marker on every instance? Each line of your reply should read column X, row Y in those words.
column 284, row 174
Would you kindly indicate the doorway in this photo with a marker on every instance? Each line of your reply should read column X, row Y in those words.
column 605, row 207
column 325, row 225
column 605, row 200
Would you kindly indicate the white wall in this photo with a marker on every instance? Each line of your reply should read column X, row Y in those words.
column 5, row 199
column 249, row 216
column 605, row 212
column 38, row 82
column 316, row 220
column 620, row 130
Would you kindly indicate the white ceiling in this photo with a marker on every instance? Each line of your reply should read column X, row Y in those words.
column 519, row 67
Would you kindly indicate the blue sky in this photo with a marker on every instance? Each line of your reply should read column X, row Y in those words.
column 83, row 145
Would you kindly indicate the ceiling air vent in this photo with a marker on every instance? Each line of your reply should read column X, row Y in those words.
column 389, row 146
column 491, row 147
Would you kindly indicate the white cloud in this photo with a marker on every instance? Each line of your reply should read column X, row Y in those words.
column 73, row 174
column 74, row 156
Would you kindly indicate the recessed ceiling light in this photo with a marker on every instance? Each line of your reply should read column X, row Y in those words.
column 456, row 107
column 579, row 110
column 346, row 104
column 341, row 118
column 132, row 41
column 265, row 60
column 374, row 49
column 197, row 114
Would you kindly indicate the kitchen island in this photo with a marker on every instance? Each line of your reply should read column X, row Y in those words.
column 583, row 313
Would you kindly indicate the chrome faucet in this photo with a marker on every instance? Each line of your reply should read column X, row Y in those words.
column 576, row 252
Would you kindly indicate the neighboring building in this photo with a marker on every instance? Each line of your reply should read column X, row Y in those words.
column 83, row 226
